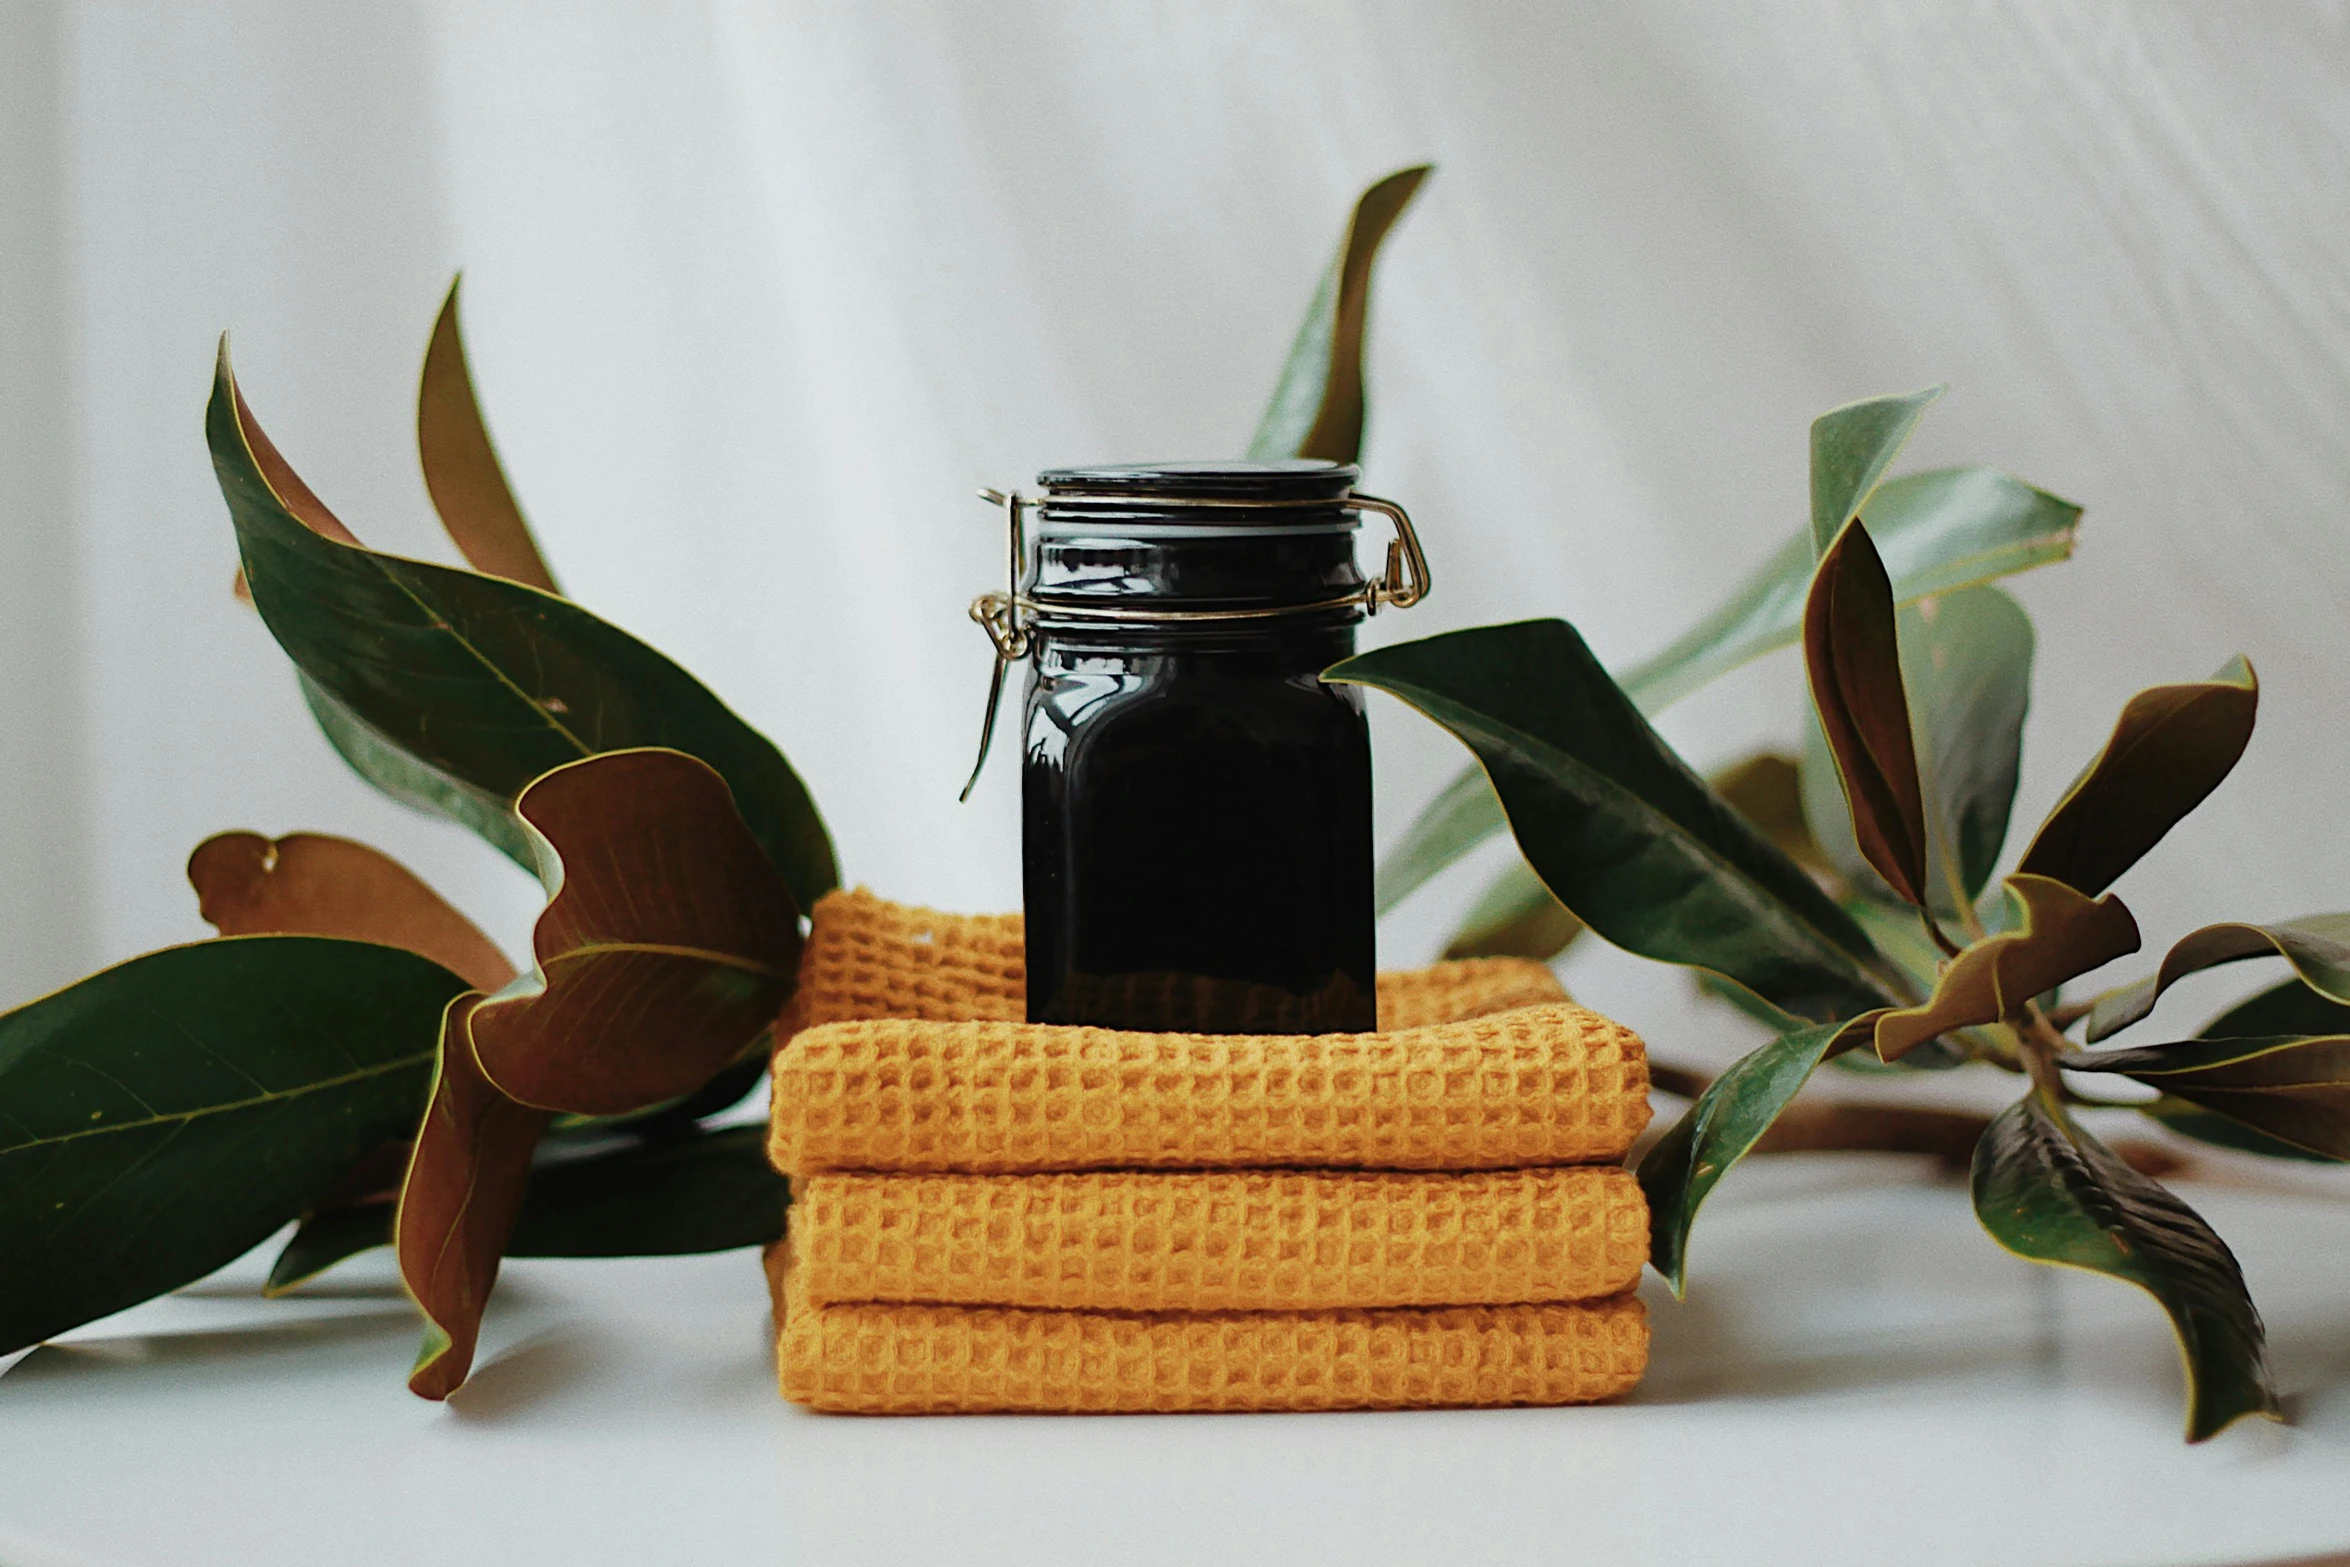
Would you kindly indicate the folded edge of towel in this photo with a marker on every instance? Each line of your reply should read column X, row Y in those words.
column 882, row 1359
column 1543, row 1085
column 1238, row 1240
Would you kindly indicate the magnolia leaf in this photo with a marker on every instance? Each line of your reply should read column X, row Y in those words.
column 310, row 884
column 2223, row 1131
column 1767, row 789
column 2317, row 945
column 461, row 468
column 2055, row 935
column 164, row 1116
column 465, row 1186
column 667, row 947
column 1466, row 814
column 1622, row 831
column 1938, row 532
column 2292, row 1087
column 1967, row 661
column 1317, row 407
column 1851, row 447
column 484, row 682
column 1516, row 918
column 1853, row 657
column 1725, row 1123
column 2287, row 1008
column 2169, row 750
column 414, row 783
column 700, row 1192
column 2048, row 1191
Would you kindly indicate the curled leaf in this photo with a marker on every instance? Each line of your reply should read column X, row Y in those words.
column 2048, row 1191
column 2171, row 747
column 465, row 1187
column 477, row 682
column 2058, row 936
column 1851, row 447
column 1618, row 826
column 1722, row 1127
column 2294, row 1088
column 1852, row 652
column 2317, row 945
column 1317, row 408
column 311, row 884
column 666, row 950
column 461, row 467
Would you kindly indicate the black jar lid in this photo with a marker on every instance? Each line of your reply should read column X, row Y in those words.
column 1294, row 482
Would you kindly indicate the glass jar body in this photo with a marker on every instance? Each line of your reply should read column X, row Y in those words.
column 1197, row 836
column 1196, row 802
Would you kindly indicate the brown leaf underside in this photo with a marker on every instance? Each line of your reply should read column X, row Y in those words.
column 1852, row 652
column 2063, row 935
column 461, row 468
column 669, row 920
column 313, row 884
column 466, row 1183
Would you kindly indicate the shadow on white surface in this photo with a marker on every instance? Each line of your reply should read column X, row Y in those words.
column 1858, row 1376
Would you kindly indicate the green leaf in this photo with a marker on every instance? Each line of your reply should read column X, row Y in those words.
column 2221, row 1131
column 702, row 1192
column 1725, row 1122
column 2292, row 1087
column 483, row 683
column 1851, row 447
column 1317, row 407
column 1852, row 654
column 161, row 1118
column 2048, row 1191
column 1938, row 532
column 1618, row 826
column 2287, row 1008
column 461, row 469
column 1967, row 658
column 1466, row 814
column 711, row 1191
column 2170, row 748
column 2317, row 945
column 411, row 782
column 1516, row 918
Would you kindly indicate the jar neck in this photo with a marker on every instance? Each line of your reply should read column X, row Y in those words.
column 1274, row 573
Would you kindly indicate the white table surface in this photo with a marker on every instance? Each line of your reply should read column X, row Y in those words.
column 1858, row 1376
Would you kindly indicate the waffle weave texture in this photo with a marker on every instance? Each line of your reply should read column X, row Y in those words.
column 919, row 1359
column 1245, row 1240
column 869, row 958
column 1536, row 1086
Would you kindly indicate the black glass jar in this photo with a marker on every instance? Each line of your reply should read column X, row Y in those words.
column 1196, row 802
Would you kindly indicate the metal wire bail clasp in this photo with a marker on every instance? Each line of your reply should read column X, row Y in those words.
column 1000, row 615
column 1405, row 581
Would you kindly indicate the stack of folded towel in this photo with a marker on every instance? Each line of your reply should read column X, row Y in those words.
column 995, row 1215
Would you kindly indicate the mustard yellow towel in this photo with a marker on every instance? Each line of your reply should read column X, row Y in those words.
column 1245, row 1240
column 869, row 958
column 884, row 1359
column 1536, row 1086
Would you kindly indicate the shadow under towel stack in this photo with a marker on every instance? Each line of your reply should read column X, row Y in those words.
column 990, row 1214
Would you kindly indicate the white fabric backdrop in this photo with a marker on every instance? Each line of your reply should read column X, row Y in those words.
column 757, row 294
